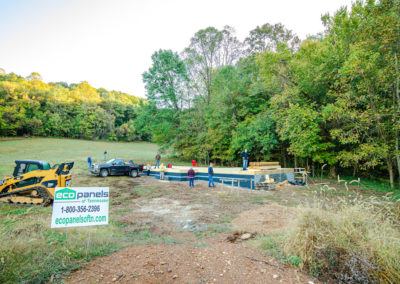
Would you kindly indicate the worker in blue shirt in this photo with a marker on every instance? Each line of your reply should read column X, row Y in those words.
column 89, row 162
column 210, row 175
column 245, row 156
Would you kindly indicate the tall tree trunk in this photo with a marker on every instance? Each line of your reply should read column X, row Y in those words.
column 313, row 169
column 355, row 170
column 295, row 161
column 390, row 170
column 396, row 116
column 284, row 158
column 397, row 149
column 332, row 171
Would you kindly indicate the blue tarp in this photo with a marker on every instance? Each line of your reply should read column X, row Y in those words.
column 297, row 182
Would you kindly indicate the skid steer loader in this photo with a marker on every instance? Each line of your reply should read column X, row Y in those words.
column 34, row 182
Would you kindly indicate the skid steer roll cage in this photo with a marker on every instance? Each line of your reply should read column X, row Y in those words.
column 64, row 168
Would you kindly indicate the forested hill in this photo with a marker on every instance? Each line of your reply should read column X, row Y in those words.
column 29, row 106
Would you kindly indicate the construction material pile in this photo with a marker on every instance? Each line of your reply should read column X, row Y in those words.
column 264, row 182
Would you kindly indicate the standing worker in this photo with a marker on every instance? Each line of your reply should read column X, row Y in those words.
column 191, row 175
column 89, row 162
column 245, row 157
column 162, row 170
column 158, row 158
column 210, row 175
column 105, row 155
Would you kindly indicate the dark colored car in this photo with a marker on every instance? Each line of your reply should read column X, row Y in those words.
column 116, row 167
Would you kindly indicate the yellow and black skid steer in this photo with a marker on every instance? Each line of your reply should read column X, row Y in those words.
column 34, row 182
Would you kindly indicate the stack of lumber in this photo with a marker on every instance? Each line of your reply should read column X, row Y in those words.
column 265, row 186
column 266, row 183
column 263, row 164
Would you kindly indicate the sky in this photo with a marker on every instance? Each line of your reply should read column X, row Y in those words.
column 109, row 43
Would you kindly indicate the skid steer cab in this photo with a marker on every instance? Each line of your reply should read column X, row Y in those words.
column 34, row 182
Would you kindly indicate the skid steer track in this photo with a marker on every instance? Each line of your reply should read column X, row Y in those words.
column 24, row 196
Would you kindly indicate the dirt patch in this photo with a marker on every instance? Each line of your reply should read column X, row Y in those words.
column 215, row 261
column 187, row 231
column 173, row 210
column 270, row 218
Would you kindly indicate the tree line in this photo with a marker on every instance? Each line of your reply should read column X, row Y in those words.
column 332, row 98
column 29, row 106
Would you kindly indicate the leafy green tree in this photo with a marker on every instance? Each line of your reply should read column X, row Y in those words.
column 366, row 93
column 165, row 80
column 258, row 135
column 210, row 49
column 34, row 76
column 268, row 37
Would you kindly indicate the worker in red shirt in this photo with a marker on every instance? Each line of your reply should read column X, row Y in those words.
column 191, row 175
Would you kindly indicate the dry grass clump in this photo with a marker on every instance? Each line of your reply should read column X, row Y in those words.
column 356, row 243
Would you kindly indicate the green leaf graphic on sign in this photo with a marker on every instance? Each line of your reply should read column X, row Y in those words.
column 65, row 194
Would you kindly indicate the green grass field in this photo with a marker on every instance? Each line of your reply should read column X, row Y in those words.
column 64, row 150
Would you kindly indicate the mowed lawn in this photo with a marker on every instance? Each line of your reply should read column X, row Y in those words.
column 56, row 151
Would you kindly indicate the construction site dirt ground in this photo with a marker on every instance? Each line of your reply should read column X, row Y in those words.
column 194, row 225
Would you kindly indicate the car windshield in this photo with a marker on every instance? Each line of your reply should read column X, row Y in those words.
column 116, row 161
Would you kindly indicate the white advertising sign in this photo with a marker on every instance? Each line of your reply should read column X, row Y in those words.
column 80, row 206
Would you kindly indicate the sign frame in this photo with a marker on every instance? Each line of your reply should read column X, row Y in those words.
column 80, row 207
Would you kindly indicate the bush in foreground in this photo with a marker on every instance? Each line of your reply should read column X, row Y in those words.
column 357, row 243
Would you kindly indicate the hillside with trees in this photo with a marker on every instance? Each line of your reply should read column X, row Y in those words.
column 330, row 99
column 29, row 106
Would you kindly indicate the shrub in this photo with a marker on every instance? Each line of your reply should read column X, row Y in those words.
column 356, row 243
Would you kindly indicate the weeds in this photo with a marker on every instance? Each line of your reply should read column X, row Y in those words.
column 31, row 252
column 370, row 185
column 122, row 211
column 346, row 238
column 213, row 231
column 272, row 245
column 261, row 199
column 355, row 241
column 142, row 190
column 226, row 219
column 201, row 245
column 145, row 237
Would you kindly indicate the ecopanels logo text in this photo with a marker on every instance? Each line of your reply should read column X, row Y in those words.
column 65, row 194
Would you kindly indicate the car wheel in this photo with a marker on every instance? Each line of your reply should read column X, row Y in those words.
column 103, row 173
column 134, row 173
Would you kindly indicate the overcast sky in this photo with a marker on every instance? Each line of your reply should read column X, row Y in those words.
column 109, row 42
